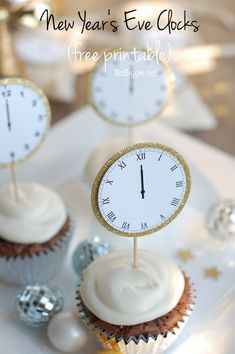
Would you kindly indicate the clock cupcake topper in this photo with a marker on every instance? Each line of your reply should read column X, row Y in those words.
column 117, row 88
column 140, row 190
column 25, row 121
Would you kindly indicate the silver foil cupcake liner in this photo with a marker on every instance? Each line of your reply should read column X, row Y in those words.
column 40, row 267
column 142, row 344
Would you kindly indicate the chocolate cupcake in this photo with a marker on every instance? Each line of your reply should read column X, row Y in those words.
column 135, row 310
column 34, row 234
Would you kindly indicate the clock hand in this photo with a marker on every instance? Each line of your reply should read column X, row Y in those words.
column 131, row 87
column 142, row 181
column 8, row 116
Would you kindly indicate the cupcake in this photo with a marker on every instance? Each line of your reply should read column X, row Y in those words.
column 135, row 310
column 34, row 234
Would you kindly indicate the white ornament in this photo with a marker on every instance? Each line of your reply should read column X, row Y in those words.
column 66, row 333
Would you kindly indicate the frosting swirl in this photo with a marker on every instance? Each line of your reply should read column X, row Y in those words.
column 35, row 218
column 119, row 294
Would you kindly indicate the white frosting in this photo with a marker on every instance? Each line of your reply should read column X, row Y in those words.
column 35, row 218
column 119, row 294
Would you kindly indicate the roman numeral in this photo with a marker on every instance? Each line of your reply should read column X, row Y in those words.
column 34, row 103
column 111, row 216
column 125, row 226
column 105, row 201
column 162, row 217
column 174, row 168
column 160, row 157
column 179, row 184
column 122, row 165
column 109, row 182
column 144, row 226
column 175, row 202
column 141, row 156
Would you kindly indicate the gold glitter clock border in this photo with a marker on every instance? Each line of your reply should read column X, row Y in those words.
column 111, row 161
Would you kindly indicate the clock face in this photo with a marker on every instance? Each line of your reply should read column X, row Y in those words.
column 131, row 88
column 25, row 119
column 141, row 189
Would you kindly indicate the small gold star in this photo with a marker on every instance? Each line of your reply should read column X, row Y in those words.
column 184, row 255
column 212, row 272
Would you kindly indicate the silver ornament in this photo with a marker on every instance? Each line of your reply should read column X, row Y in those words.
column 221, row 220
column 87, row 251
column 37, row 304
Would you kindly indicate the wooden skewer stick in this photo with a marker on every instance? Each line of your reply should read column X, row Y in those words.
column 14, row 182
column 135, row 253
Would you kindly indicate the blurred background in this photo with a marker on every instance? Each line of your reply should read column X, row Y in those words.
column 203, row 107
column 203, row 62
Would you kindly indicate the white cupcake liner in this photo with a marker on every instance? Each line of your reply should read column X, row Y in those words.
column 40, row 267
column 142, row 344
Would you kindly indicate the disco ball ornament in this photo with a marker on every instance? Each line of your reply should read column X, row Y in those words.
column 87, row 251
column 221, row 220
column 37, row 304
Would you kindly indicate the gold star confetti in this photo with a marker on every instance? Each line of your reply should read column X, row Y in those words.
column 184, row 255
column 212, row 272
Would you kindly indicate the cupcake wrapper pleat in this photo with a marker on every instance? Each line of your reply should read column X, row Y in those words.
column 40, row 267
